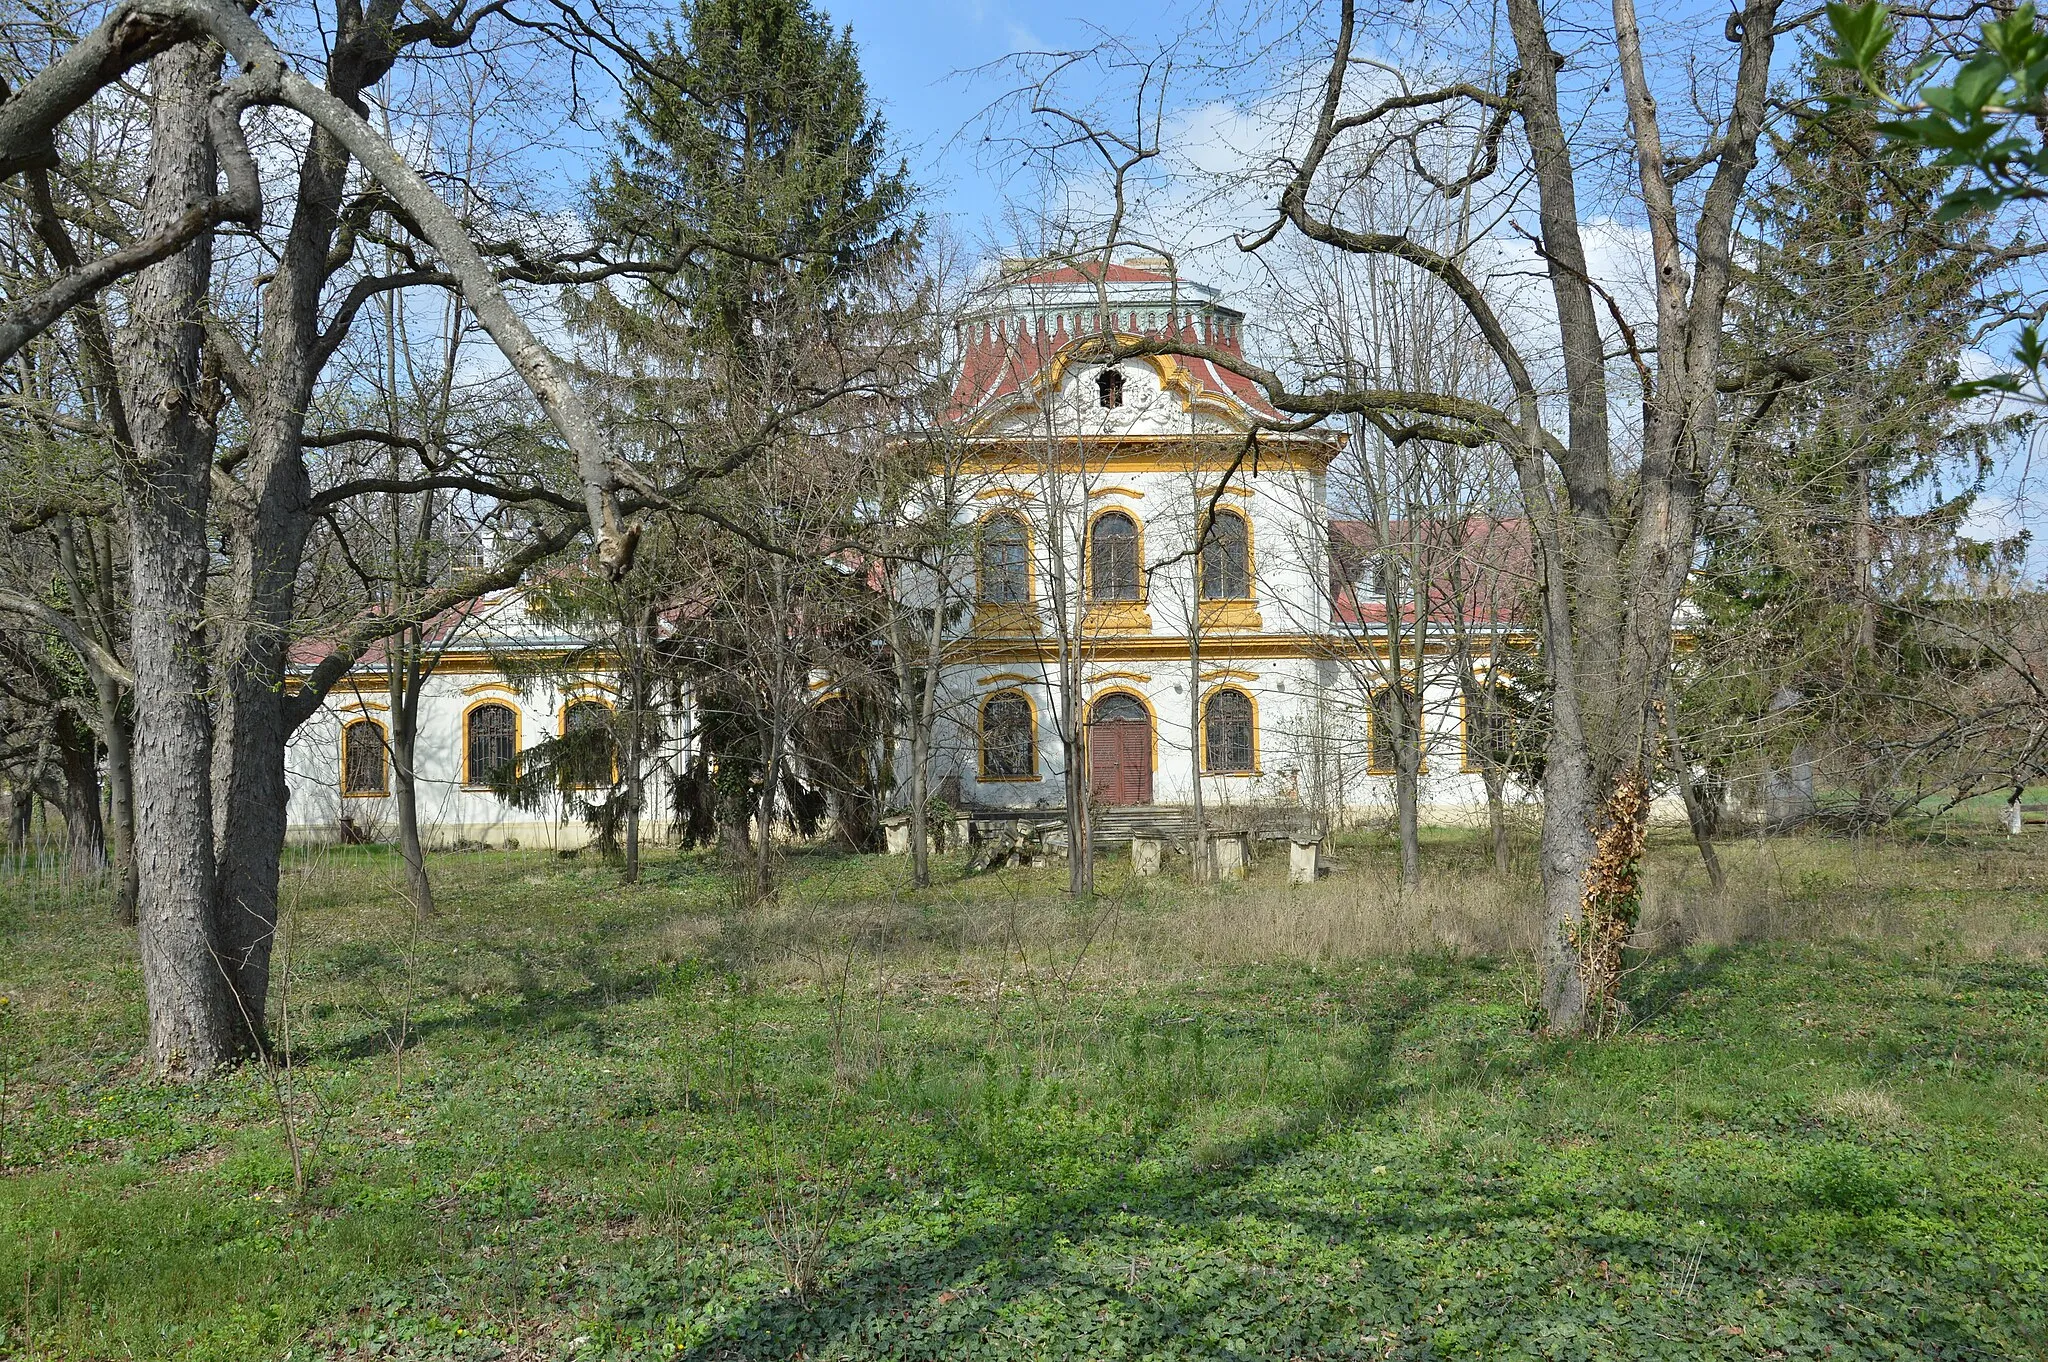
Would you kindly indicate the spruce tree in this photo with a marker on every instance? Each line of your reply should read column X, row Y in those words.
column 1844, row 504
column 750, row 156
column 751, row 177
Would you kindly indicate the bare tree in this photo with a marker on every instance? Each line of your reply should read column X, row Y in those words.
column 1613, row 511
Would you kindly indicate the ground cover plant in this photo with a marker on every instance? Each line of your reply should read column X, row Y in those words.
column 564, row 1118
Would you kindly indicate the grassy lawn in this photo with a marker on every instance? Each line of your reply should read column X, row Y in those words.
column 567, row 1119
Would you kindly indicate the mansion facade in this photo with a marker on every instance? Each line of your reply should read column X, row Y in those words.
column 1140, row 563
column 1141, row 557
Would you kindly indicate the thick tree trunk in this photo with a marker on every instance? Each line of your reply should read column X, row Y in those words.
column 20, row 808
column 1569, row 804
column 1607, row 616
column 248, row 768
column 270, row 519
column 85, row 834
column 195, row 1026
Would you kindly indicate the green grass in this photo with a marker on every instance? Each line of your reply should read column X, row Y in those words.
column 981, row 1122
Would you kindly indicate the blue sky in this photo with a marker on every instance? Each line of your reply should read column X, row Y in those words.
column 917, row 54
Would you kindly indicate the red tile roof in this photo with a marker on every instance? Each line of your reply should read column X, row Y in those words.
column 1009, row 346
column 1486, row 564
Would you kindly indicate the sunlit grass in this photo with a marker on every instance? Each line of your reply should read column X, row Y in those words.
column 568, row 1118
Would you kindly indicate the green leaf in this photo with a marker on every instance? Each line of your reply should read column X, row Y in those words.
column 1964, row 202
column 1977, row 83
column 1862, row 33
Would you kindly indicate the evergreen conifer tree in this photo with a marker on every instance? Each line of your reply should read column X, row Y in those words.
column 1844, row 506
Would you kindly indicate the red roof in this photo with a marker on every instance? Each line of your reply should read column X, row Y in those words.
column 1484, row 564
column 1008, row 347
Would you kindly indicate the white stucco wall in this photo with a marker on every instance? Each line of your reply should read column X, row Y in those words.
column 469, row 671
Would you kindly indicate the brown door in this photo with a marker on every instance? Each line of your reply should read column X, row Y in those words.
column 1120, row 751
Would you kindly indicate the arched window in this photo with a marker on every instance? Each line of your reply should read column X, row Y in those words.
column 593, row 759
column 1109, row 388
column 1226, row 559
column 1009, row 737
column 490, row 742
column 1227, row 745
column 1113, row 558
column 1005, row 579
column 1392, row 719
column 1118, row 708
column 363, row 769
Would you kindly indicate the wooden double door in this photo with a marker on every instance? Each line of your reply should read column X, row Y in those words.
column 1119, row 751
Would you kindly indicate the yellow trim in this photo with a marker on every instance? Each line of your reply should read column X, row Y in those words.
column 1164, row 648
column 1091, row 348
column 1157, row 649
column 1203, row 736
column 995, row 493
column 562, row 730
column 1230, row 674
column 1251, row 577
column 1206, row 492
column 1151, row 723
column 1103, row 678
column 383, row 790
column 1018, row 677
column 981, row 558
column 1137, row 559
column 981, row 737
column 1230, row 615
column 1078, row 351
column 518, row 724
column 1116, row 492
column 361, row 707
column 1116, row 617
column 1103, row 458
column 482, row 686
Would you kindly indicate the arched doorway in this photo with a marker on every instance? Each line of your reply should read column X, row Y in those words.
column 1120, row 751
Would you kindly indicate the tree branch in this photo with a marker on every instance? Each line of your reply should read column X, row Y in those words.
column 96, row 658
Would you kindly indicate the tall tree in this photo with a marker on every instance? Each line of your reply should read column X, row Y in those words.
column 1845, row 500
column 1613, row 502
column 751, row 123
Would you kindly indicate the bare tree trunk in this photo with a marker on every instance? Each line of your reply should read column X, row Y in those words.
column 636, row 787
column 194, row 1023
column 1697, row 815
column 920, row 802
column 113, row 724
column 775, row 746
column 121, row 805
column 1200, row 858
column 1407, row 777
column 85, row 833
column 1495, row 780
column 403, row 674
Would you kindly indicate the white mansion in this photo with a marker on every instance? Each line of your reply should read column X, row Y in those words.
column 1081, row 489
